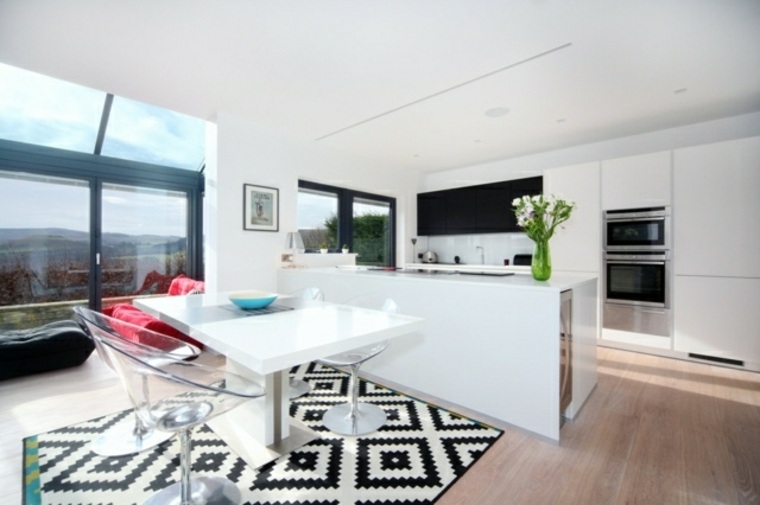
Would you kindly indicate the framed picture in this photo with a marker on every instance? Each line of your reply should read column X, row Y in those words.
column 261, row 208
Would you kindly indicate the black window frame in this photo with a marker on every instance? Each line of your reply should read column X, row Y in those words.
column 345, row 213
column 98, row 170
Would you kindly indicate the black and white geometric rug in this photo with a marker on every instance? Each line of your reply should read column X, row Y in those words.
column 413, row 459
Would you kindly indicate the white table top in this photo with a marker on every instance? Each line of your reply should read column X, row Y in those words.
column 273, row 342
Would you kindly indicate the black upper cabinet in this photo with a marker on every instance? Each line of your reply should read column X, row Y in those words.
column 486, row 208
column 461, row 210
column 431, row 213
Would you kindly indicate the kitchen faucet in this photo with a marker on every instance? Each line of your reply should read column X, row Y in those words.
column 482, row 254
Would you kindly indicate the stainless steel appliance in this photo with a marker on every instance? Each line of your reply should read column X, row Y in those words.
column 636, row 273
column 429, row 257
column 637, row 229
column 637, row 291
column 565, row 353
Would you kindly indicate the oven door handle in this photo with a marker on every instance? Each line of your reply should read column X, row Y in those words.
column 615, row 220
column 634, row 262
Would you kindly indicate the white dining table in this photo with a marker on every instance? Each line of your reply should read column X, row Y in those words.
column 265, row 345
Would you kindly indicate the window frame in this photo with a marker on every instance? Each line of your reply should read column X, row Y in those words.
column 97, row 170
column 345, row 213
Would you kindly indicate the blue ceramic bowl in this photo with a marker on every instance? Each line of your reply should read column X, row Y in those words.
column 252, row 299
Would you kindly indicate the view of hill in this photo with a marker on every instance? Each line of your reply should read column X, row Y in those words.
column 61, row 245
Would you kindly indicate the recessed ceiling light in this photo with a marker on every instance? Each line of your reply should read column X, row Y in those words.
column 497, row 112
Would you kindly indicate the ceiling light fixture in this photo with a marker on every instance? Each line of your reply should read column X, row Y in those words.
column 497, row 112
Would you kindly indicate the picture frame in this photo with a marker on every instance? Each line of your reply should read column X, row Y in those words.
column 261, row 208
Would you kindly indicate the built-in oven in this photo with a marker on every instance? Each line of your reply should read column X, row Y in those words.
column 637, row 291
column 637, row 229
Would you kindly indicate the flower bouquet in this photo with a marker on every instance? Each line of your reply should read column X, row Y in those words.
column 539, row 216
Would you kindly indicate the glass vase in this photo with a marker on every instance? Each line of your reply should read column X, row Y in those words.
column 541, row 264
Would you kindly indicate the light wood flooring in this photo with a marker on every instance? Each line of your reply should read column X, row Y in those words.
column 655, row 431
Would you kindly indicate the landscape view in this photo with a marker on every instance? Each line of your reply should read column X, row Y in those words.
column 39, row 265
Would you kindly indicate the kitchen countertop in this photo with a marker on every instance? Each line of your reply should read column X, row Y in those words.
column 435, row 272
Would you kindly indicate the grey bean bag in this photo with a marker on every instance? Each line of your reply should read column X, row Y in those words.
column 56, row 345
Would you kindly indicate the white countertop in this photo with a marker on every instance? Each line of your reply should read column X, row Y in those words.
column 521, row 277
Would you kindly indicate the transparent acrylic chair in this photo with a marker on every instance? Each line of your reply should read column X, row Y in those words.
column 131, row 438
column 355, row 417
column 175, row 396
column 298, row 387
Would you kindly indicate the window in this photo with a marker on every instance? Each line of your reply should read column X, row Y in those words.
column 39, row 110
column 101, row 198
column 82, row 229
column 336, row 216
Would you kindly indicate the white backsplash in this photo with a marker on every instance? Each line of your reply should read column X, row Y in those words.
column 496, row 247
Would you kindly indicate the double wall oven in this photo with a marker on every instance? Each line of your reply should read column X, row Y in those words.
column 636, row 273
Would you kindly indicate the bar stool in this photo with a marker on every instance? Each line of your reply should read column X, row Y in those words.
column 355, row 417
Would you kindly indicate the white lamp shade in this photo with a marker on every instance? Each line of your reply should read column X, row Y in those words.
column 294, row 242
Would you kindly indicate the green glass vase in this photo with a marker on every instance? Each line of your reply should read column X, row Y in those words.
column 541, row 264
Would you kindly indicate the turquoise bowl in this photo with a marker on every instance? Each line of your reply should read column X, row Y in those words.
column 252, row 299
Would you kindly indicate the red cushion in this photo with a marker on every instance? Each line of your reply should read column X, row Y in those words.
column 133, row 315
column 182, row 285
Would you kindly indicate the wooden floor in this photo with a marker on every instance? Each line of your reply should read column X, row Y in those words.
column 655, row 431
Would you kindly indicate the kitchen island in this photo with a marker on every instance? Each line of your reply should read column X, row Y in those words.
column 491, row 343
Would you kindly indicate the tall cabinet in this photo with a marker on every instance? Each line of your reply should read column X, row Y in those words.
column 716, row 223
column 577, row 246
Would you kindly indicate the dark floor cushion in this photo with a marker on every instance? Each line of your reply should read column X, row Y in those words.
column 50, row 347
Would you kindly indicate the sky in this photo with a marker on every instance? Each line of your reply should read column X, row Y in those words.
column 57, row 203
column 40, row 110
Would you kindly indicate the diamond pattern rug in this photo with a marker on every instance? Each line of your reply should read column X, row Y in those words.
column 413, row 459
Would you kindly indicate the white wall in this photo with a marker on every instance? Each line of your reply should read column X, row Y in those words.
column 746, row 125
column 245, row 153
column 241, row 152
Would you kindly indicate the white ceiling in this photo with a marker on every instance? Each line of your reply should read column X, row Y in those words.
column 408, row 82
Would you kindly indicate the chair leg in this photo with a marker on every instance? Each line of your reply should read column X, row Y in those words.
column 128, row 438
column 298, row 388
column 191, row 490
column 354, row 417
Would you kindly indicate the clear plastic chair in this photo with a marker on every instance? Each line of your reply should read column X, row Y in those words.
column 175, row 396
column 355, row 417
column 131, row 438
column 298, row 387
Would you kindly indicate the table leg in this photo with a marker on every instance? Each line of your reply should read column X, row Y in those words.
column 260, row 430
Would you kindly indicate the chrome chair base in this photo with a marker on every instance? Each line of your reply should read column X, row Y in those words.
column 120, row 440
column 298, row 388
column 207, row 490
column 369, row 418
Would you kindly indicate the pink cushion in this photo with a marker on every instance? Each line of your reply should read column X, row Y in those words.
column 182, row 285
column 133, row 315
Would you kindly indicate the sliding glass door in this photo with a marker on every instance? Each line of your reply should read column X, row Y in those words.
column 44, row 247
column 143, row 241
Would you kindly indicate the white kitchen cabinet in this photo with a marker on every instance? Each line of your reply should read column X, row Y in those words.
column 716, row 209
column 718, row 317
column 577, row 247
column 637, row 181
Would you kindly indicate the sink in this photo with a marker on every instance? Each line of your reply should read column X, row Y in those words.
column 494, row 274
column 426, row 271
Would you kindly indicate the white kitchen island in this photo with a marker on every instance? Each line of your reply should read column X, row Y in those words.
column 490, row 343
